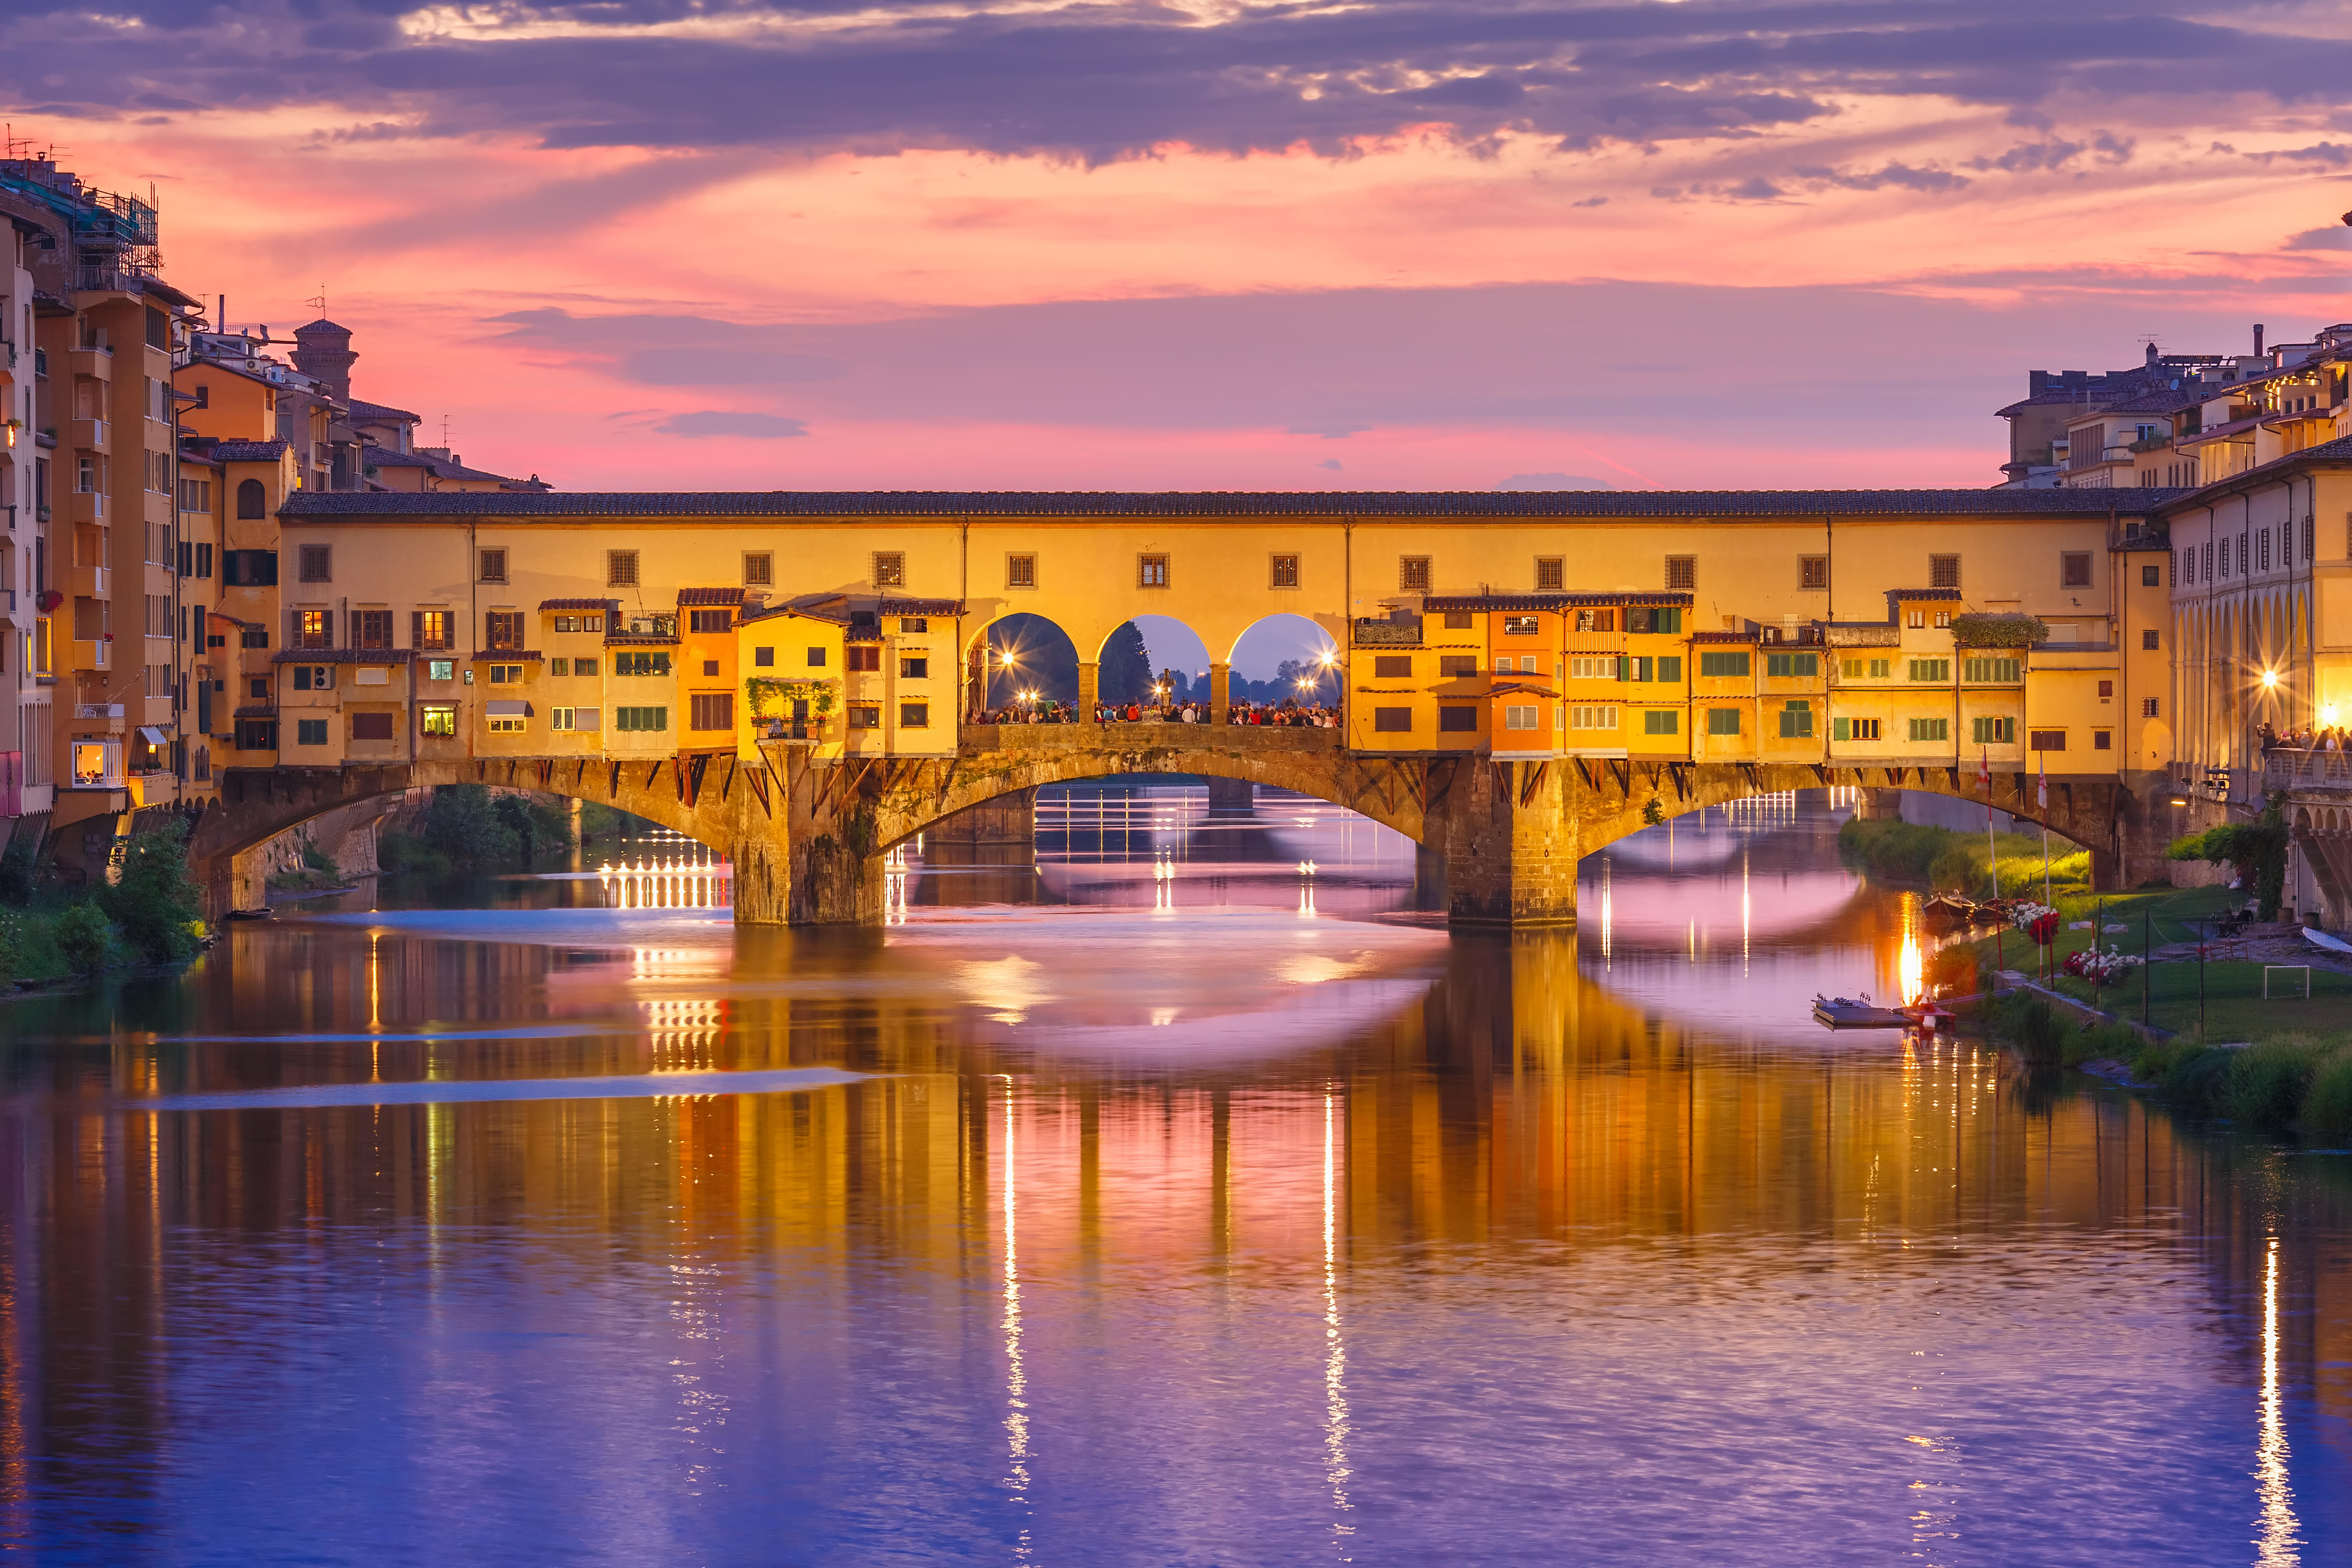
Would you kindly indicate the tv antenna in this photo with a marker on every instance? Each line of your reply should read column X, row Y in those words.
column 319, row 301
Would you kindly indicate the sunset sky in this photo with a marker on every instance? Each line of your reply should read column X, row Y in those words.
column 667, row 245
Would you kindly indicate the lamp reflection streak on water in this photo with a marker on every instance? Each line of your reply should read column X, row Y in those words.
column 703, row 884
column 2280, row 1536
column 1608, row 913
column 894, row 885
column 1016, row 1377
column 1334, row 1348
column 1911, row 967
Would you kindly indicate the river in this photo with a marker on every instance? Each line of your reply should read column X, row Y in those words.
column 1179, row 1193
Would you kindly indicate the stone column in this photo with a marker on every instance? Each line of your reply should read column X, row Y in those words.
column 1510, row 845
column 1089, row 689
column 792, row 868
column 1220, row 682
column 1878, row 805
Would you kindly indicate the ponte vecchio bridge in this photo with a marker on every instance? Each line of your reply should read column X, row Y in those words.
column 794, row 679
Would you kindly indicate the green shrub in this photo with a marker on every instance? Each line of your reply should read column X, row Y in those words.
column 154, row 901
column 2327, row 1108
column 463, row 826
column 405, row 852
column 2267, row 1082
column 2257, row 850
column 2107, row 1042
column 85, row 939
column 2197, row 1079
column 316, row 860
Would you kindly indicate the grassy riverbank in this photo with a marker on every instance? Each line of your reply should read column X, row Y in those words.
column 1947, row 861
column 152, row 913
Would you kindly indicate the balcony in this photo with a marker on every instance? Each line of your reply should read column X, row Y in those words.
column 90, row 581
column 89, row 506
column 98, row 363
column 110, row 714
column 93, row 653
column 93, row 436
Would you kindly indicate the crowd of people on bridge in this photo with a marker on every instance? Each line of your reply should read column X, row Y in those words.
column 2327, row 738
column 1282, row 715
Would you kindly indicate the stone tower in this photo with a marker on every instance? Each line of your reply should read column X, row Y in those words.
column 323, row 351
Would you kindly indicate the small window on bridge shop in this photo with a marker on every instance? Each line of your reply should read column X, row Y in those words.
column 2103, row 739
column 914, row 625
column 1797, row 722
column 1994, row 671
column 314, row 628
column 1602, row 669
column 1992, row 732
column 558, row 667
column 866, row 715
column 1853, row 728
column 2107, row 691
column 1021, row 571
column 1934, row 670
column 1522, row 716
column 1931, row 729
column 620, row 568
column 505, row 674
column 759, row 569
column 314, row 677
column 1864, row 669
column 914, row 715
column 1792, row 666
column 431, row 628
column 491, row 565
column 641, row 663
column 254, row 637
column 2074, row 569
column 1456, row 718
column 1413, row 574
column 709, row 666
column 711, row 710
column 258, row 688
column 440, row 669
column 309, row 732
column 371, row 726
column 2150, row 577
column 257, row 734
column 653, row 626
column 1636, row 667
column 583, row 667
column 1653, row 619
column 1723, row 666
column 1723, row 720
column 371, row 628
column 1520, row 625
column 2151, row 641
column 710, row 620
column 915, row 666
column 1395, row 667
column 1452, row 665
column 889, row 569
column 2147, row 708
column 1551, row 572
column 318, row 564
column 581, row 624
column 1661, row 721
column 641, row 720
column 864, row 656
column 508, row 724
column 1282, row 572
column 1812, row 571
column 1681, row 573
column 2047, row 741
column 559, row 718
column 1392, row 720
column 1596, row 620
column 1460, row 621
column 1943, row 570
column 1151, row 571
column 1580, row 717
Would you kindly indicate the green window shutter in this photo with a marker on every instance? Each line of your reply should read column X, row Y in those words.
column 1723, row 720
column 1840, row 729
column 1662, row 721
column 1670, row 670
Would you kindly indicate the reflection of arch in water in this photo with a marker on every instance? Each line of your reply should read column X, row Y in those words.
column 1271, row 644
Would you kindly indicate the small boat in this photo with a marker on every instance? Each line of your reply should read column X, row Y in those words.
column 1928, row 1017
column 1950, row 911
column 1844, row 1013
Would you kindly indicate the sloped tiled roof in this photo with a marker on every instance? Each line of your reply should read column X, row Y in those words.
column 362, row 409
column 385, row 458
column 578, row 604
column 249, row 451
column 343, row 656
column 2337, row 451
column 688, row 596
column 1467, row 504
column 921, row 607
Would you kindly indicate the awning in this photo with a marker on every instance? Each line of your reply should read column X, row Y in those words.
column 151, row 735
column 508, row 709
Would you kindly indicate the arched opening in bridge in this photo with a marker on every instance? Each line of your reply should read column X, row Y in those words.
column 1286, row 658
column 1031, row 663
column 1175, row 655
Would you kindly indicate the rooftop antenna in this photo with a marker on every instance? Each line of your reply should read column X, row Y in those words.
column 444, row 431
column 319, row 303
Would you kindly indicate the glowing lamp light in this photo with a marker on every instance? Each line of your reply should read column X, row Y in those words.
column 2328, row 712
column 2270, row 678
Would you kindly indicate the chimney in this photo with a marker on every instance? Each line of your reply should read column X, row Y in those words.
column 2151, row 356
column 2258, row 340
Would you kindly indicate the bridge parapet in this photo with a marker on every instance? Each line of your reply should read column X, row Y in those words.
column 2292, row 771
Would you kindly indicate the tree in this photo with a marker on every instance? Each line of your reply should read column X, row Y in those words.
column 155, row 902
column 1126, row 674
column 2257, row 849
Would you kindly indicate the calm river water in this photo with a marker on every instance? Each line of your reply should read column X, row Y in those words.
column 1179, row 1197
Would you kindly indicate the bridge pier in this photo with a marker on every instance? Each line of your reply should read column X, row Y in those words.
column 1509, row 842
column 1231, row 797
column 1221, row 686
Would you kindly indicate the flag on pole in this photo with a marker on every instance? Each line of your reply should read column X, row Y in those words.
column 1984, row 771
column 2041, row 786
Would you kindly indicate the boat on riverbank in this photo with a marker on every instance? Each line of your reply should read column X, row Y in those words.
column 1845, row 1013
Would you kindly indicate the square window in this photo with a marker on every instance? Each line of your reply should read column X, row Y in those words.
column 257, row 688
column 2074, row 569
column 1797, row 722
column 1661, row 721
column 1413, row 574
column 318, row 564
column 711, row 710
column 1943, row 570
column 766, row 658
column 1458, row 620
column 866, row 715
column 2107, row 691
column 620, row 568
column 867, row 657
column 583, row 667
column 1151, row 571
column 1681, row 573
column 2103, row 739
column 1395, row 667
column 1284, row 572
column 1021, row 571
column 889, row 569
column 1457, row 718
column 914, row 715
column 2148, row 578
column 558, row 667
column 759, row 569
column 2147, row 708
column 2149, row 641
column 915, row 666
column 1812, row 571
column 1551, row 572
column 438, row 718
column 440, row 669
column 493, row 566
column 309, row 732
column 1520, row 716
column 815, row 657
column 1723, row 720
column 1392, row 720
column 371, row 726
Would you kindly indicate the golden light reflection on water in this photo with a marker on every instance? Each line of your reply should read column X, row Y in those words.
column 1911, row 969
column 2281, row 1537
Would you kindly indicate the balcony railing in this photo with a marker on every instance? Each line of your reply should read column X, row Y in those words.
column 98, row 709
column 2285, row 768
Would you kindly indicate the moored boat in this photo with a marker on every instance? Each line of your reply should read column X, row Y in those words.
column 1845, row 1013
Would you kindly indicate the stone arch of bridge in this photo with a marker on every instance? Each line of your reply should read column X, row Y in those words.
column 254, row 806
column 1011, row 645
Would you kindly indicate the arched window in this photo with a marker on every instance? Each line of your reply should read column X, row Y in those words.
column 250, row 499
